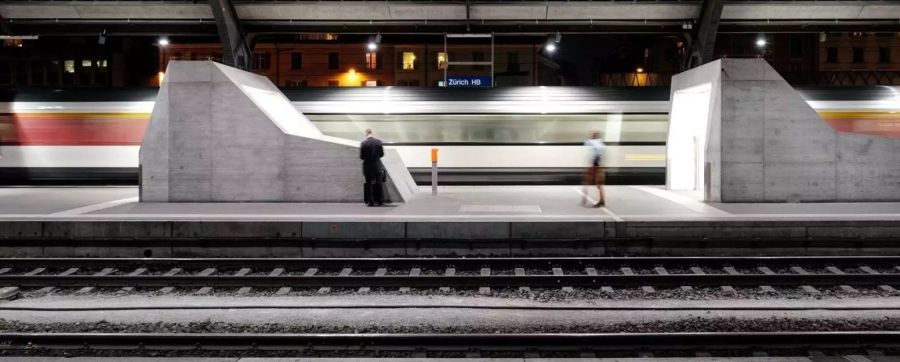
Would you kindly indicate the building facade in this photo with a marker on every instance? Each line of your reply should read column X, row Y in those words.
column 354, row 65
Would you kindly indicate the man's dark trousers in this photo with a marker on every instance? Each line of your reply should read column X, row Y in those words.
column 373, row 187
column 371, row 152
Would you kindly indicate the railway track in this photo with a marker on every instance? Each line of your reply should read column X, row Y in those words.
column 537, row 344
column 660, row 272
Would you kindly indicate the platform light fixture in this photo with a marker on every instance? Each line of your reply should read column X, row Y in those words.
column 373, row 43
column 552, row 43
column 163, row 42
column 639, row 70
column 761, row 43
column 550, row 47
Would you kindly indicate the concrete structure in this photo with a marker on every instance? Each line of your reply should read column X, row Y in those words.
column 219, row 134
column 738, row 132
column 528, row 12
column 461, row 220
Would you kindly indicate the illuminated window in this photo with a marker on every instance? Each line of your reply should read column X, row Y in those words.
column 333, row 83
column 409, row 61
column 86, row 63
column 69, row 66
column 370, row 83
column 101, row 63
column 372, row 60
column 442, row 60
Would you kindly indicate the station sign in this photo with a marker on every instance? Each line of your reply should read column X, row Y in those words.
column 469, row 81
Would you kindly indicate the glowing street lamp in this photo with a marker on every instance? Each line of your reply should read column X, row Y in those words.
column 550, row 47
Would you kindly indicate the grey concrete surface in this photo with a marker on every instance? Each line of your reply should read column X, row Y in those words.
column 325, row 359
column 401, row 11
column 219, row 134
column 462, row 213
column 766, row 144
column 452, row 311
column 522, row 205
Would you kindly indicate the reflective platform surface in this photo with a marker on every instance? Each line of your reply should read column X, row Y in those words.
column 453, row 203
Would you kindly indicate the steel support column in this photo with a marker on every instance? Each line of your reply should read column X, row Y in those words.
column 705, row 41
column 237, row 49
column 4, row 26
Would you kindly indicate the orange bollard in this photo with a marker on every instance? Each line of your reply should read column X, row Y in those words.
column 434, row 161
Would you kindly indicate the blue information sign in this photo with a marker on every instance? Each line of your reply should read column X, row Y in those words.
column 468, row 81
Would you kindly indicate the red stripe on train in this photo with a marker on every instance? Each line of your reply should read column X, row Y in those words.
column 61, row 129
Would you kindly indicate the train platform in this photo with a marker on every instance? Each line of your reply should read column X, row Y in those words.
column 494, row 220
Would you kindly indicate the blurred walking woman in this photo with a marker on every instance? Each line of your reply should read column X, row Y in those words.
column 595, row 175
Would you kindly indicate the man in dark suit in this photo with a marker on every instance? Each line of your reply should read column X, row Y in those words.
column 371, row 151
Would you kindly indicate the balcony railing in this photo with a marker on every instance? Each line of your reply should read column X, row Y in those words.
column 843, row 78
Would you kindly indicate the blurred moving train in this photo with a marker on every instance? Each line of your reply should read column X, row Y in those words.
column 516, row 135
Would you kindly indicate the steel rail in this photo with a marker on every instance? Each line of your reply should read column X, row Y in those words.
column 496, row 262
column 461, row 281
column 539, row 341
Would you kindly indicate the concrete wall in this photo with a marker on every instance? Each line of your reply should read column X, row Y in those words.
column 775, row 148
column 220, row 134
column 424, row 11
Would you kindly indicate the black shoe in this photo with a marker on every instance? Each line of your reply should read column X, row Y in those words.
column 370, row 205
column 380, row 204
column 600, row 204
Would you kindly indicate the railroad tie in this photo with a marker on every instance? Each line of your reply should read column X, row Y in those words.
column 702, row 355
column 448, row 272
column 171, row 272
column 240, row 273
column 69, row 271
column 645, row 354
column 344, row 273
column 593, row 272
column 4, row 270
column 203, row 273
column 414, row 272
column 380, row 272
column 767, row 288
column 485, row 272
column 868, row 270
column 274, row 273
column 588, row 354
column 645, row 288
column 806, row 288
column 521, row 272
column 287, row 290
column 662, row 271
column 10, row 292
column 730, row 270
column 136, row 272
column 105, row 271
column 816, row 354
column 846, row 288
column 559, row 272
column 760, row 354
